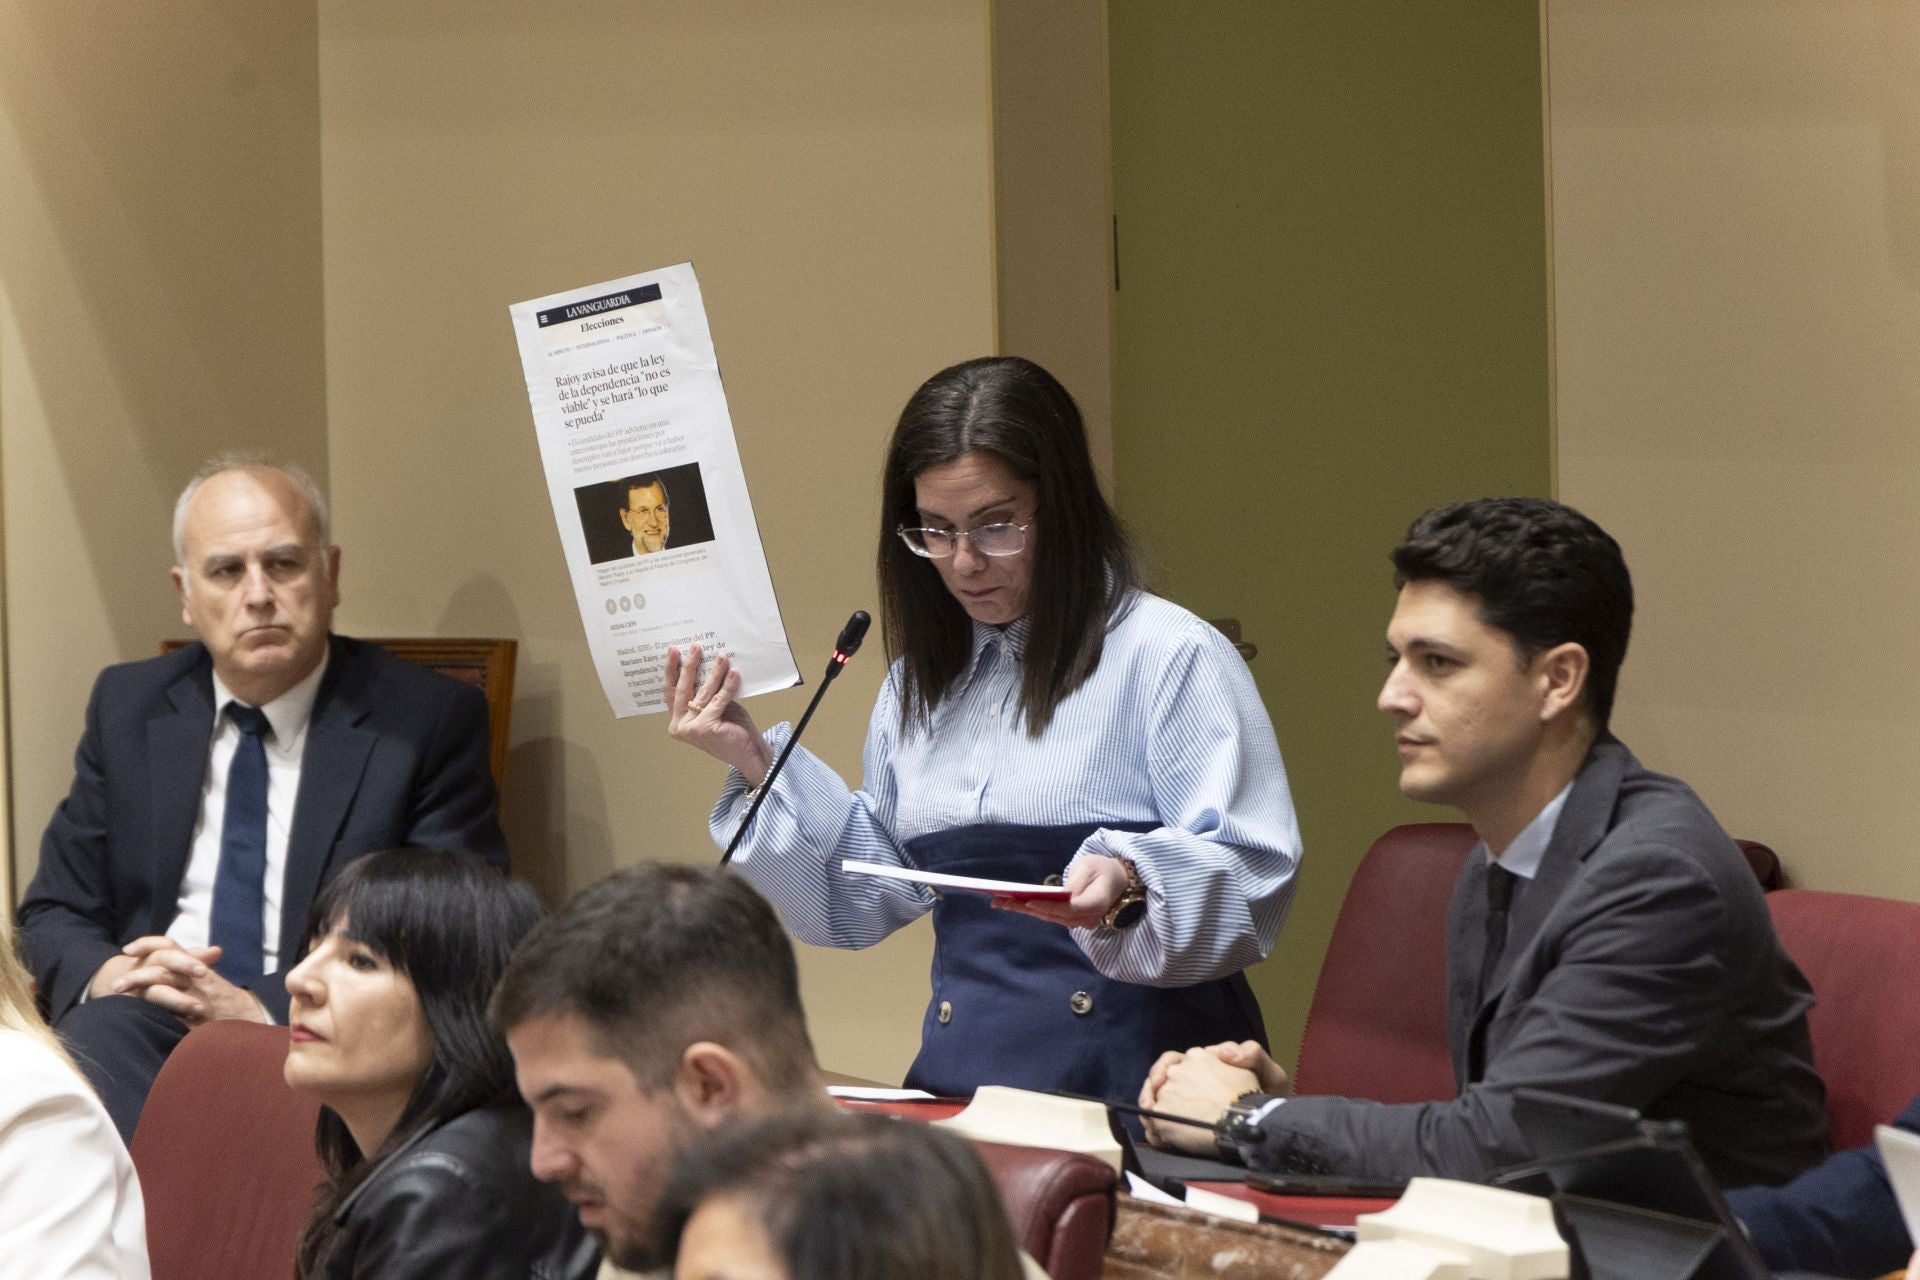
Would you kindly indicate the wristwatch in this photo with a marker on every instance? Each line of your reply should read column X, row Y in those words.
column 1239, row 1126
column 1126, row 913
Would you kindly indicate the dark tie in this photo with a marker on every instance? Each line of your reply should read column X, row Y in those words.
column 1499, row 897
column 239, row 888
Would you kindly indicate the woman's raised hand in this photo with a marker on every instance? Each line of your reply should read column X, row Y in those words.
column 706, row 714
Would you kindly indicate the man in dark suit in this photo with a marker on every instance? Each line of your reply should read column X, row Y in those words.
column 217, row 787
column 1607, row 939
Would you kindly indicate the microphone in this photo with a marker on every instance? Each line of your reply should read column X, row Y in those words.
column 849, row 642
column 844, row 647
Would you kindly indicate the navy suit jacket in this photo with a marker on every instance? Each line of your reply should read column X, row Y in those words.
column 396, row 754
column 1838, row 1218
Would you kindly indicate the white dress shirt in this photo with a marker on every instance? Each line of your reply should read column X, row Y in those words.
column 288, row 714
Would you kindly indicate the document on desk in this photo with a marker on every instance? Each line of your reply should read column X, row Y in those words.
column 646, row 484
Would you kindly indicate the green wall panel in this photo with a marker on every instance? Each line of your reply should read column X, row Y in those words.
column 1332, row 314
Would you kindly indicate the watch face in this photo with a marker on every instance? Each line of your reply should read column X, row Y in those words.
column 1238, row 1123
column 1129, row 914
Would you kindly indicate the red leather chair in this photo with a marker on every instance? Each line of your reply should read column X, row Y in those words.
column 1377, row 1027
column 225, row 1155
column 1861, row 955
column 1061, row 1205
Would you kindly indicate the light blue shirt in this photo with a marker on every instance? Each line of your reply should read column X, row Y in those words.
column 1529, row 848
column 1168, row 729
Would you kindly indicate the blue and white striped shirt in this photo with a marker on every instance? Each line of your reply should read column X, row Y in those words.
column 1169, row 729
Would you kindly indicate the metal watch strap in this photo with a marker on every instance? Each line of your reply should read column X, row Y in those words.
column 1239, row 1125
column 1132, row 903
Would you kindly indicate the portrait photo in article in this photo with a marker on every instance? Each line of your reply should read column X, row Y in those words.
column 644, row 513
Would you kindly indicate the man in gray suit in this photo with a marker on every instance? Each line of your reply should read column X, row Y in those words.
column 1606, row 939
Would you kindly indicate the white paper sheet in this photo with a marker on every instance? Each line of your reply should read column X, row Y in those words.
column 625, row 389
column 870, row 1093
column 1140, row 1189
column 1222, row 1206
column 965, row 884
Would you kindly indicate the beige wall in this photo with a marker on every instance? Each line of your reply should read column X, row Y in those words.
column 159, row 301
column 828, row 173
column 1736, row 215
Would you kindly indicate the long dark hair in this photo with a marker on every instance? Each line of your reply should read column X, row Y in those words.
column 1083, row 566
column 448, row 923
column 850, row 1197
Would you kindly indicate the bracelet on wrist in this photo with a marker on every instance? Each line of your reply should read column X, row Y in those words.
column 1132, row 902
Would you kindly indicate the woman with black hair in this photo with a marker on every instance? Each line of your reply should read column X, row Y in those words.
column 1043, row 716
column 421, row 1132
column 834, row 1197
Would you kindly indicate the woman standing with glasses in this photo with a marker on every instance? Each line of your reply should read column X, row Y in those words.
column 1043, row 716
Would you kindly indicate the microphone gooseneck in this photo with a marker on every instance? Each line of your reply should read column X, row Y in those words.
column 844, row 648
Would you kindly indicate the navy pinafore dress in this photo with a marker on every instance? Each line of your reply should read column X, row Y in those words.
column 1016, row 1002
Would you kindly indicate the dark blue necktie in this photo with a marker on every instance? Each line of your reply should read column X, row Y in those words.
column 239, row 888
column 1499, row 898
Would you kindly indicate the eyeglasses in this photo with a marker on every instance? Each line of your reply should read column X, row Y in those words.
column 988, row 540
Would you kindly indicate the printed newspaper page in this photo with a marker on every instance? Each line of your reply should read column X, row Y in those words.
column 647, row 486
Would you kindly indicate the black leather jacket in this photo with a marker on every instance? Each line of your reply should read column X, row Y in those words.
column 460, row 1201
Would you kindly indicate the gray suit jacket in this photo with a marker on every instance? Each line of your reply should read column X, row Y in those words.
column 1641, row 969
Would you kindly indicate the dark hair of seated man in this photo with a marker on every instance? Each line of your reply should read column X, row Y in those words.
column 1541, row 572
column 654, row 958
column 816, row 1196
